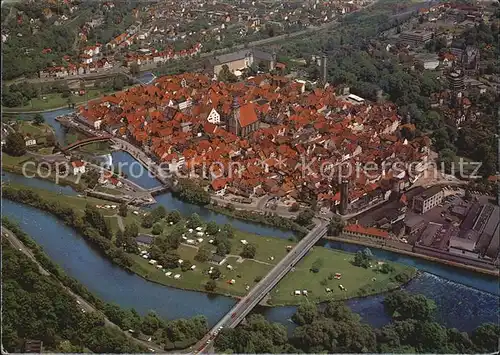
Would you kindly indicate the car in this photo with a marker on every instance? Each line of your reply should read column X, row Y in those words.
column 233, row 315
column 78, row 302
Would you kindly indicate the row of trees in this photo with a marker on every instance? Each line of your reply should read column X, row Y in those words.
column 336, row 329
column 268, row 218
column 191, row 191
column 91, row 225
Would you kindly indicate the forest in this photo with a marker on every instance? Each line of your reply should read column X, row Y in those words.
column 336, row 329
column 171, row 334
column 36, row 306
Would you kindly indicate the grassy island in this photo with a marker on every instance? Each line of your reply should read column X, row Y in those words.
column 244, row 259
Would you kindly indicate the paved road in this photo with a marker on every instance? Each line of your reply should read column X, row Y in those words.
column 256, row 294
column 81, row 302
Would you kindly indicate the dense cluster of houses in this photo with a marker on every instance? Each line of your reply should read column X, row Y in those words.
column 92, row 62
column 285, row 141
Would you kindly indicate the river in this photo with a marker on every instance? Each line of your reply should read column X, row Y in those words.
column 50, row 118
column 131, row 167
column 464, row 299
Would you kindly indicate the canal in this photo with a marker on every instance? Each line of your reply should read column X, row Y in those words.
column 464, row 299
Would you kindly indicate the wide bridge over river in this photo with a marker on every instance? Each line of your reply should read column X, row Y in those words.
column 256, row 294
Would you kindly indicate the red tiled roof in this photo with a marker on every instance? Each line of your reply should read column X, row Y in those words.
column 218, row 184
column 247, row 115
column 369, row 231
column 77, row 163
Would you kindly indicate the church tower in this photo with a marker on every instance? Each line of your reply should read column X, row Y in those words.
column 234, row 118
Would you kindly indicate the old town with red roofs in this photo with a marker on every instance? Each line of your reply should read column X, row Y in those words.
column 265, row 135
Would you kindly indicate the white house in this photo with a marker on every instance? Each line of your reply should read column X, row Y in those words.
column 213, row 117
column 78, row 167
column 29, row 141
column 97, row 124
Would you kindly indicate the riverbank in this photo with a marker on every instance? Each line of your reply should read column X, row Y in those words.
column 85, row 298
column 53, row 101
column 14, row 111
column 465, row 299
column 237, row 274
column 255, row 217
column 370, row 244
column 14, row 165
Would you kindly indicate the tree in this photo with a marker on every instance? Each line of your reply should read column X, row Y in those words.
column 270, row 31
column 447, row 157
column 204, row 253
column 215, row 273
column 157, row 229
column 91, row 178
column 431, row 337
column 386, row 268
column 360, row 260
column 211, row 285
column 134, row 69
column 95, row 219
column 50, row 140
column 119, row 239
column 150, row 323
column 122, row 211
column 38, row 119
column 335, row 226
column 306, row 313
column 458, row 342
column 192, row 192
column 339, row 312
column 174, row 237
column 485, row 337
column 223, row 245
column 169, row 260
column 248, row 251
column 148, row 220
column 212, row 228
column 304, row 218
column 186, row 265
column 225, row 75
column 131, row 231
column 194, row 221
column 174, row 217
column 118, row 83
column 126, row 239
column 158, row 213
column 316, row 265
column 54, row 315
column 15, row 145
column 228, row 230
column 12, row 98
column 408, row 306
